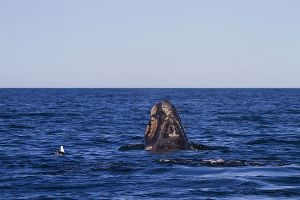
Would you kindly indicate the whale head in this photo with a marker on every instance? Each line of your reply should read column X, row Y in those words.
column 164, row 131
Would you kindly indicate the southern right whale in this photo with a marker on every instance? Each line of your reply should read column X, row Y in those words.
column 164, row 130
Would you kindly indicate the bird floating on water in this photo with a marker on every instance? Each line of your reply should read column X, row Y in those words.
column 60, row 151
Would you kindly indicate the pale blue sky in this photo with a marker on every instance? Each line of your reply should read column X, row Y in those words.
column 153, row 43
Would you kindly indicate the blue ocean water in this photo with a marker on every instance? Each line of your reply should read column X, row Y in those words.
column 257, row 127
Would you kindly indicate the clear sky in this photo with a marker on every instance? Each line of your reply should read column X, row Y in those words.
column 150, row 43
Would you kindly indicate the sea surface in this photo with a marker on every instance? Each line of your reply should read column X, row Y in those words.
column 254, row 132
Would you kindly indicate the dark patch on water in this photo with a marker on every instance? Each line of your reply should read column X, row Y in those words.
column 130, row 147
column 218, row 162
column 195, row 146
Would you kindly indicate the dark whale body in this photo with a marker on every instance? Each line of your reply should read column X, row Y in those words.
column 164, row 131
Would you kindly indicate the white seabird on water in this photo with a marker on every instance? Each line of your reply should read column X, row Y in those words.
column 60, row 151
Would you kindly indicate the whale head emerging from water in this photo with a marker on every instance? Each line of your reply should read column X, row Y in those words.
column 164, row 131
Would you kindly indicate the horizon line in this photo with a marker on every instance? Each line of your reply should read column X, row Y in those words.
column 149, row 87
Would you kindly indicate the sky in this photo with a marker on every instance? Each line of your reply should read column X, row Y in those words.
column 150, row 43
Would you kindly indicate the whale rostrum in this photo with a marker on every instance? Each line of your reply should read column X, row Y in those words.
column 164, row 131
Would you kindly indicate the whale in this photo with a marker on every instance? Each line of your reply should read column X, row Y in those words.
column 164, row 131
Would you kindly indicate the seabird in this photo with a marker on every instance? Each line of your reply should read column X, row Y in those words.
column 60, row 151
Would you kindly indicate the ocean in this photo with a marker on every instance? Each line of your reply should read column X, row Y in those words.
column 255, row 131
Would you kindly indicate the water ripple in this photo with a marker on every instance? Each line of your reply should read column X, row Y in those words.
column 252, row 135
